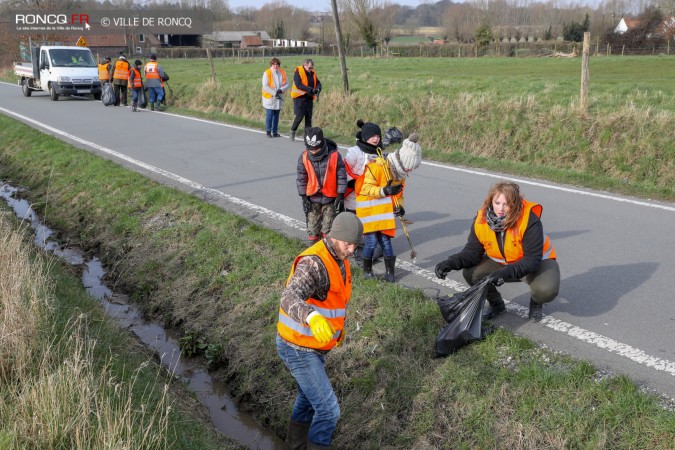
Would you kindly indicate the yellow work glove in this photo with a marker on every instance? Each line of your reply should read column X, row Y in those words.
column 321, row 328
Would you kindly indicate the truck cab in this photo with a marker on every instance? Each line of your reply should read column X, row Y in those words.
column 60, row 70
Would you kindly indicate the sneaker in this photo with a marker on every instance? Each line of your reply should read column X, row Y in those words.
column 269, row 134
column 276, row 135
column 494, row 309
column 292, row 135
column 536, row 311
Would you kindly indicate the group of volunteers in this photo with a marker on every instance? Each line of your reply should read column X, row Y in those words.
column 351, row 204
column 121, row 75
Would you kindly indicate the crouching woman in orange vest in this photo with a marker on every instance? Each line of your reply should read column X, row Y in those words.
column 507, row 243
column 311, row 322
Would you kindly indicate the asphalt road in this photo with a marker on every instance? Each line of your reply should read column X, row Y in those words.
column 616, row 305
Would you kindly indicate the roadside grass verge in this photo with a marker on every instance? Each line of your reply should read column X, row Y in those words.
column 69, row 378
column 219, row 277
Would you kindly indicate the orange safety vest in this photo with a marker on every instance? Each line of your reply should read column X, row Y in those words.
column 121, row 70
column 104, row 72
column 270, row 82
column 328, row 186
column 376, row 214
column 513, row 239
column 152, row 70
column 334, row 308
column 295, row 92
column 137, row 81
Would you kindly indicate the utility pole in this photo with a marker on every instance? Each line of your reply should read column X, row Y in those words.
column 583, row 100
column 341, row 53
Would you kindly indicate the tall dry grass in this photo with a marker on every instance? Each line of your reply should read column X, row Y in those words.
column 55, row 391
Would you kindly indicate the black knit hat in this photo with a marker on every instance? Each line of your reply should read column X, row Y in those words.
column 368, row 130
column 138, row 62
column 313, row 138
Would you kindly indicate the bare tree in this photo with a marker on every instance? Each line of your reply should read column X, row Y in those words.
column 372, row 18
column 280, row 15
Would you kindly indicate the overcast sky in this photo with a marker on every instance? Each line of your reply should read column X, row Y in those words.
column 325, row 5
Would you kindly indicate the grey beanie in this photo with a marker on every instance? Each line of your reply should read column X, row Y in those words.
column 347, row 227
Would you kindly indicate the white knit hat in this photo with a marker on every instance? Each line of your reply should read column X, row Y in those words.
column 406, row 158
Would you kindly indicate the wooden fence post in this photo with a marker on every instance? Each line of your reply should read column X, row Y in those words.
column 583, row 101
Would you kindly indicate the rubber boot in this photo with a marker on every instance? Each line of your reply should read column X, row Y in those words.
column 296, row 437
column 390, row 267
column 536, row 311
column 494, row 308
column 134, row 107
column 368, row 268
column 292, row 135
column 357, row 256
column 152, row 106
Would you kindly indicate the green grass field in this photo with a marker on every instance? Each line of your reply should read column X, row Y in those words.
column 516, row 115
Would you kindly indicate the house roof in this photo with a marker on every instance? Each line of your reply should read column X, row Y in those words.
column 252, row 41
column 106, row 40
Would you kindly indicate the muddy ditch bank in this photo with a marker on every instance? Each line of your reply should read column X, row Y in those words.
column 164, row 343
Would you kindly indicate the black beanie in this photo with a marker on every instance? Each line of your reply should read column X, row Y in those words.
column 313, row 138
column 368, row 130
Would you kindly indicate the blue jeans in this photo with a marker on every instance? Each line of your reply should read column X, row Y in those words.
column 156, row 94
column 372, row 240
column 134, row 95
column 272, row 120
column 316, row 403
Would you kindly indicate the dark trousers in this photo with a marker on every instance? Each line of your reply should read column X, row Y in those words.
column 120, row 89
column 303, row 108
column 544, row 283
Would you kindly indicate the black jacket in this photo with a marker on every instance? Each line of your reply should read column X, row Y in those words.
column 533, row 245
column 320, row 165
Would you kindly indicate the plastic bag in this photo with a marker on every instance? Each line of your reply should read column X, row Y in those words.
column 142, row 99
column 108, row 95
column 465, row 323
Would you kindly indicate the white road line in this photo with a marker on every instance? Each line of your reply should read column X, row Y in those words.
column 581, row 334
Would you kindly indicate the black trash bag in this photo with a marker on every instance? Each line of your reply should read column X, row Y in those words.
column 165, row 77
column 108, row 94
column 392, row 136
column 465, row 324
column 142, row 98
column 450, row 306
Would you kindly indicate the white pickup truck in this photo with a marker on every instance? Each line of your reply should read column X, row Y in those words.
column 59, row 70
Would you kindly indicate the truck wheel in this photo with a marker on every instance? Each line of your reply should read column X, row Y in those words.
column 52, row 93
column 25, row 89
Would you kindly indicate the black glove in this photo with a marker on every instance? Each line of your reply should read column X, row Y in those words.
column 392, row 190
column 399, row 211
column 306, row 205
column 279, row 92
column 496, row 278
column 316, row 92
column 351, row 183
column 339, row 204
column 443, row 267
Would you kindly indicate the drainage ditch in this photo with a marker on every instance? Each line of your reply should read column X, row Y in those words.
column 214, row 395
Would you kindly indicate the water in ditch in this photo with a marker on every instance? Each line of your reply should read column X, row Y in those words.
column 214, row 395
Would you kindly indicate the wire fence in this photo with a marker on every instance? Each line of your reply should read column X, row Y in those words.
column 422, row 50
